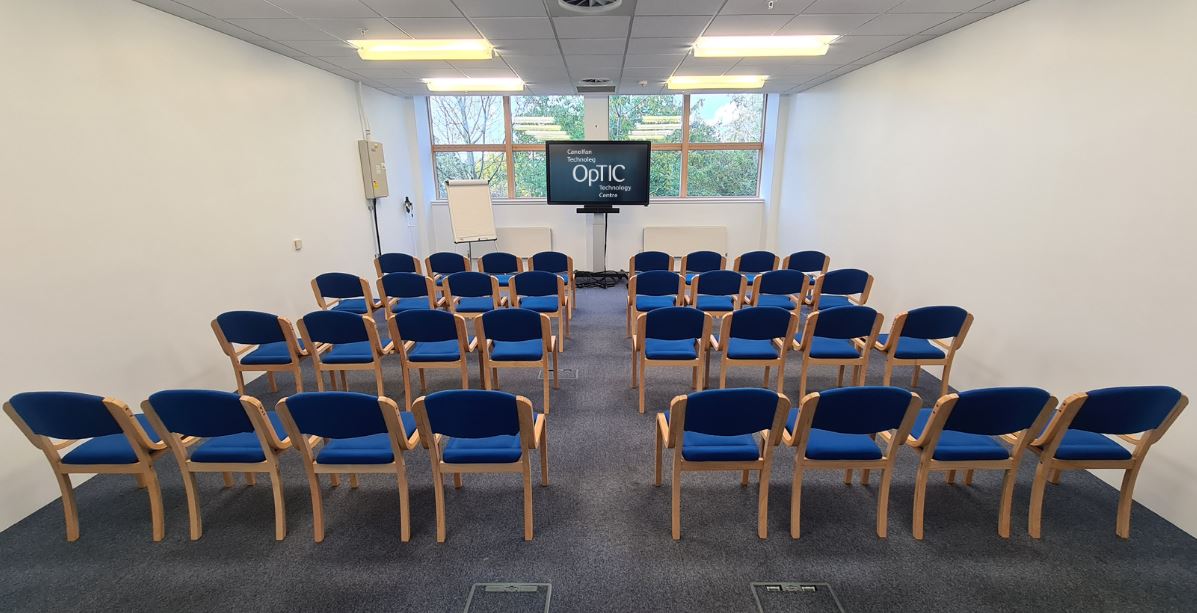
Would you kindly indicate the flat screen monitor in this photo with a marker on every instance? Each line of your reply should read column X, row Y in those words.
column 597, row 173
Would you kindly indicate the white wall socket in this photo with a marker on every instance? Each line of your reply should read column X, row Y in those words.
column 297, row 243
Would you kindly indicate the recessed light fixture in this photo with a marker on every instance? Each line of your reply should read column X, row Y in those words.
column 762, row 46
column 717, row 82
column 425, row 49
column 474, row 85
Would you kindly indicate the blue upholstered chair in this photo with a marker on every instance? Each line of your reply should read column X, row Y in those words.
column 472, row 431
column 813, row 263
column 959, row 434
column 1076, row 439
column 516, row 338
column 780, row 288
column 543, row 292
column 561, row 265
column 118, row 442
column 267, row 342
column 838, row 337
column 360, row 433
column 697, row 262
column 220, row 432
column 654, row 289
column 404, row 291
column 756, row 336
column 342, row 342
column 836, row 429
column 397, row 262
column 927, row 336
column 843, row 287
column 502, row 265
column 672, row 336
column 754, row 263
column 341, row 291
column 719, row 430
column 430, row 339
column 650, row 260
column 717, row 291
column 444, row 263
column 471, row 294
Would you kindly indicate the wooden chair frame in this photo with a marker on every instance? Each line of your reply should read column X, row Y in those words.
column 692, row 294
column 272, row 446
column 571, row 285
column 490, row 366
column 669, row 435
column 146, row 451
column 563, row 313
column 797, row 299
column 378, row 267
column 465, row 346
column 683, row 269
column 234, row 354
column 890, row 349
column 726, row 362
column 430, row 287
column 927, row 442
column 640, row 361
column 816, row 292
column 798, row 441
column 368, row 296
column 316, row 349
column 633, row 313
column 1050, row 467
column 438, row 275
column 533, row 435
column 498, row 300
column 860, row 365
column 401, row 441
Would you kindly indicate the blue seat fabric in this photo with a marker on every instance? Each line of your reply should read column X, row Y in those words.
column 351, row 305
column 960, row 446
column 715, row 303
column 501, row 449
column 1083, row 445
column 111, row 448
column 832, row 348
column 540, row 304
column 699, row 447
column 776, row 300
column 369, row 449
column 270, row 353
column 410, row 304
column 434, row 351
column 751, row 349
column 243, row 447
column 914, row 348
column 479, row 304
column 828, row 445
column 517, row 351
column 648, row 303
column 661, row 349
column 352, row 353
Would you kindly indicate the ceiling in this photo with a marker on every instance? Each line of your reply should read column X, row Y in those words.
column 550, row 48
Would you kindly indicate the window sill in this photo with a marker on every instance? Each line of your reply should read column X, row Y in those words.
column 732, row 200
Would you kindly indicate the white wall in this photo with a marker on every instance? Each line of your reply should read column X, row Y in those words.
column 1035, row 167
column 152, row 174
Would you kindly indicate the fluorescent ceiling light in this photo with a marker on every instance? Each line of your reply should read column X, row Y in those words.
column 474, row 85
column 532, row 120
column 661, row 118
column 762, row 46
column 659, row 126
column 412, row 49
column 537, row 126
column 717, row 82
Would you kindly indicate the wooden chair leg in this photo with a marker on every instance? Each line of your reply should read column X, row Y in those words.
column 140, row 478
column 378, row 378
column 883, row 501
column 1034, row 519
column 802, row 380
column 643, row 382
column 407, row 387
column 950, row 477
column 744, row 478
column 723, row 371
column 848, row 476
column 194, row 521
column 658, row 445
column 635, row 358
column 270, row 380
column 943, row 383
column 465, row 374
column 438, row 489
column 280, row 507
column 154, row 490
column 864, row 476
column 796, row 502
column 968, row 477
column 556, row 383
column 334, row 480
column 1054, row 477
column 345, row 383
column 676, row 487
column 353, row 480
column 526, row 473
column 1005, row 510
column 317, row 505
column 920, row 500
column 494, row 378
column 297, row 373
column 544, row 457
column 781, row 376
column 694, row 378
column 320, row 381
column 423, row 382
column 765, row 381
column 889, row 373
column 1125, row 501
column 457, row 481
column 914, row 379
column 762, row 512
column 839, row 377
column 404, row 505
column 228, row 480
column 250, row 479
column 240, row 381
column 70, row 510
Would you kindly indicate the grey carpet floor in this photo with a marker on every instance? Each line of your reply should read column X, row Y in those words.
column 602, row 529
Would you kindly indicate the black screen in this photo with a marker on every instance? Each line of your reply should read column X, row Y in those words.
column 597, row 173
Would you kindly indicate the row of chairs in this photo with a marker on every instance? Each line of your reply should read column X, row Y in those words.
column 984, row 429
column 465, row 431
column 749, row 264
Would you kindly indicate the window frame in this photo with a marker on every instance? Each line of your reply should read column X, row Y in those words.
column 508, row 149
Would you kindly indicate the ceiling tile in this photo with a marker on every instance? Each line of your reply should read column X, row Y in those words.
column 851, row 6
column 174, row 8
column 677, row 7
column 761, row 7
column 780, row 71
column 998, row 5
column 824, row 24
column 491, row 64
column 325, row 8
column 520, row 62
column 659, row 45
column 692, row 66
column 907, row 43
column 281, row 29
column 684, row 26
column 233, row 30
column 745, row 25
column 323, row 48
column 532, row 46
column 225, row 9
column 652, row 60
column 937, row 6
column 955, row 23
column 901, row 23
column 660, row 72
column 580, row 46
column 515, row 27
column 351, row 29
column 604, row 63
column 436, row 27
column 487, row 73
column 412, row 8
column 604, row 26
column 500, row 8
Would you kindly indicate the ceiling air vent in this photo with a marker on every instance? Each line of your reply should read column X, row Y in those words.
column 590, row 6
column 596, row 86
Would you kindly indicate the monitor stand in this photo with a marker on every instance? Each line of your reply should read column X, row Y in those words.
column 598, row 235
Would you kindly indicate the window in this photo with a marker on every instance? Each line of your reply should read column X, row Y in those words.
column 704, row 145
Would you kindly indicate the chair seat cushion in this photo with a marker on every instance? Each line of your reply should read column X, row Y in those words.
column 352, row 305
column 776, row 300
column 659, row 349
column 715, row 303
column 352, row 353
column 914, row 348
column 242, row 447
column 1083, row 445
column 502, row 449
column 269, row 353
column 648, row 303
column 540, row 304
column 832, row 348
column 751, row 349
column 827, row 301
column 109, row 449
column 828, row 445
column 960, row 446
column 698, row 447
column 410, row 304
column 517, row 351
column 435, row 351
column 479, row 304
column 503, row 279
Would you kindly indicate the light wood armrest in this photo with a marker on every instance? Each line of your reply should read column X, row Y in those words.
column 663, row 426
column 539, row 430
column 714, row 341
column 473, row 345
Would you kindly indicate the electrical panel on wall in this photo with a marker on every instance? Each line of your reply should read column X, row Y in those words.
column 374, row 168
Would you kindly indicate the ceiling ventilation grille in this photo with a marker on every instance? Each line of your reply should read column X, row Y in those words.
column 590, row 6
column 596, row 86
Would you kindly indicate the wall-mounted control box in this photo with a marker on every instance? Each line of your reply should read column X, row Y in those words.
column 374, row 168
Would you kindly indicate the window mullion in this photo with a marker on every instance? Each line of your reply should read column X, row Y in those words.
column 507, row 146
column 683, row 188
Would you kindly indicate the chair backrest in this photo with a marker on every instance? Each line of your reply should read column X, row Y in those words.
column 675, row 323
column 536, row 283
column 403, row 285
column 499, row 262
column 550, row 261
column 470, row 284
column 512, row 325
column 702, row 261
column 201, row 413
column 650, row 260
column 807, row 261
column 65, row 415
column 732, row 412
column 756, row 261
column 782, row 281
column 334, row 414
column 845, row 282
column 997, row 410
column 657, row 283
column 396, row 262
column 250, row 327
column 426, row 326
column 446, row 262
column 1126, row 410
column 862, row 410
column 718, row 282
column 474, row 414
column 340, row 285
column 844, row 322
column 336, row 327
column 931, row 322
column 761, row 323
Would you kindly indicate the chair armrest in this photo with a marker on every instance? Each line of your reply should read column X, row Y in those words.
column 473, row 345
column 538, row 431
column 714, row 341
column 663, row 428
